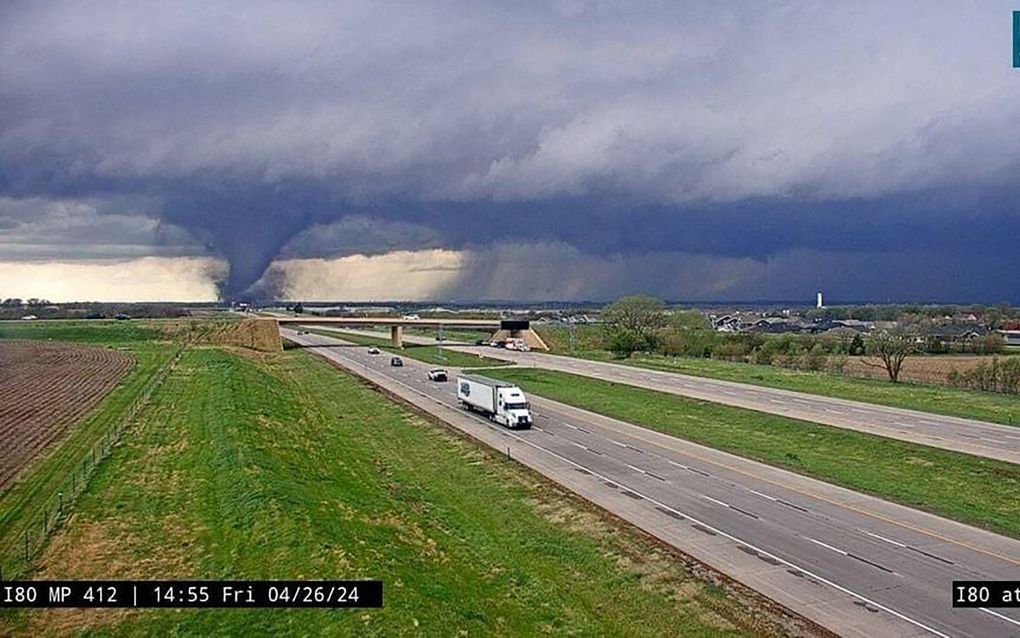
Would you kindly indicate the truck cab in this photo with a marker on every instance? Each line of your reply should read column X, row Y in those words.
column 512, row 408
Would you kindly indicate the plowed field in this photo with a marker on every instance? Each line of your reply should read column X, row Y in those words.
column 46, row 388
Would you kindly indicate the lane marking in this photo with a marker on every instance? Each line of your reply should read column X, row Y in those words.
column 715, row 500
column 998, row 615
column 888, row 540
column 826, row 546
column 636, row 469
column 771, row 498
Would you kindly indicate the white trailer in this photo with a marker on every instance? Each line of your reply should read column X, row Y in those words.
column 502, row 402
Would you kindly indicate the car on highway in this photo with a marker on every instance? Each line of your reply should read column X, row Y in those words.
column 437, row 374
column 373, row 350
column 396, row 362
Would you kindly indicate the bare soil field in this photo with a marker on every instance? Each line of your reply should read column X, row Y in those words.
column 933, row 369
column 46, row 388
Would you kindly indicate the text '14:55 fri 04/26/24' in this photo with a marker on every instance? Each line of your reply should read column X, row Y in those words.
column 193, row 593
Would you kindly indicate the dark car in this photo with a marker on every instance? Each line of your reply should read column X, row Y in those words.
column 396, row 362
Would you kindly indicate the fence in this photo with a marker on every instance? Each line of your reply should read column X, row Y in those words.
column 16, row 558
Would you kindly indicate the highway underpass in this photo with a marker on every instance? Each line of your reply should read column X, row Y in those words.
column 502, row 328
column 853, row 563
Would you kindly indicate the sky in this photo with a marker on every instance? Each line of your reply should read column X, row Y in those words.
column 469, row 150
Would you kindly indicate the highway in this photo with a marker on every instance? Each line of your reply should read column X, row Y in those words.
column 990, row 440
column 855, row 564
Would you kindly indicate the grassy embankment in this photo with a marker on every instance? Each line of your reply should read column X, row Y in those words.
column 280, row 466
column 428, row 354
column 26, row 503
column 969, row 404
column 982, row 492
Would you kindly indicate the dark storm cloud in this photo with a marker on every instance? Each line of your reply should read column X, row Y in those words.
column 740, row 130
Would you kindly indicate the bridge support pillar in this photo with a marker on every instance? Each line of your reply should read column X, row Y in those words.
column 397, row 336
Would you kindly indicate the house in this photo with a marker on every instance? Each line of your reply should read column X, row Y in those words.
column 726, row 323
column 958, row 332
column 774, row 325
column 855, row 324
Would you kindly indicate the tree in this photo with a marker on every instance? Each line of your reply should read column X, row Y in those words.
column 688, row 320
column 633, row 323
column 625, row 342
column 891, row 348
column 639, row 313
column 856, row 346
column 299, row 308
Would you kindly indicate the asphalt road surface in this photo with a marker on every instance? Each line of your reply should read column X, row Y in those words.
column 853, row 563
column 978, row 438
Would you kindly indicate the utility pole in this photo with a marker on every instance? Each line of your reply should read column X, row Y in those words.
column 440, row 355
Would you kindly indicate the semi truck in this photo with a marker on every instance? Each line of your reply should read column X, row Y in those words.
column 502, row 402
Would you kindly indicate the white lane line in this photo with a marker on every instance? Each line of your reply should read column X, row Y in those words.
column 570, row 426
column 615, row 442
column 835, row 549
column 636, row 469
column 902, row 424
column 998, row 615
column 888, row 540
column 677, row 464
column 715, row 500
column 771, row 498
column 722, row 533
column 583, row 447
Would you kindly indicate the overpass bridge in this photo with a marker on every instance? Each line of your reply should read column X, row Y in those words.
column 503, row 329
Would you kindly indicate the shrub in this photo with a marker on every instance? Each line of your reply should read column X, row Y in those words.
column 732, row 351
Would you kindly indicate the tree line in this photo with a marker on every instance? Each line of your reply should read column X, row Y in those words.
column 639, row 323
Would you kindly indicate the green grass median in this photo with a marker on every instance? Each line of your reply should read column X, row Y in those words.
column 970, row 489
